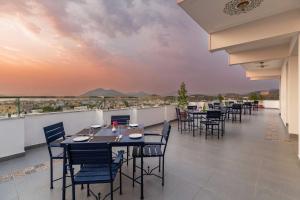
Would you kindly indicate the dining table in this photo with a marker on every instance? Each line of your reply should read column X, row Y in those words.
column 118, row 137
column 200, row 114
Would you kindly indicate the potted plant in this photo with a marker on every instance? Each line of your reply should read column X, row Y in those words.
column 182, row 99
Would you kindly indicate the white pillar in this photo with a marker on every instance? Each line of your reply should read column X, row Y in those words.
column 292, row 95
column 298, row 94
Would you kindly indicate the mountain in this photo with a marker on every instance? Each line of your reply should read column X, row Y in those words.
column 113, row 93
column 103, row 92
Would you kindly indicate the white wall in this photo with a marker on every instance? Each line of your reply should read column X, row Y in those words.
column 283, row 94
column 273, row 104
column 150, row 116
column 107, row 115
column 12, row 137
column 73, row 122
column 18, row 133
column 170, row 113
column 292, row 96
column 298, row 83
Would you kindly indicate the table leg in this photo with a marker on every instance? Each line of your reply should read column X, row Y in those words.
column 64, row 176
column 142, row 173
column 193, row 125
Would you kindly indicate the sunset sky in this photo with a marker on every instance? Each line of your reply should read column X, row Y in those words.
column 67, row 47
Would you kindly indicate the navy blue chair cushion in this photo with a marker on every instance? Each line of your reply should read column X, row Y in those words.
column 97, row 164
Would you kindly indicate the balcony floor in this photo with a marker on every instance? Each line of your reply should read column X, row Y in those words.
column 254, row 160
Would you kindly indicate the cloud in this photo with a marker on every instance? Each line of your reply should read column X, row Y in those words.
column 150, row 44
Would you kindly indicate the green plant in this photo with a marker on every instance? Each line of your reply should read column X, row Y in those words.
column 182, row 96
column 253, row 96
column 220, row 98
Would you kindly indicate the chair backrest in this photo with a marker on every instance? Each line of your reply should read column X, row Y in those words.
column 165, row 134
column 231, row 103
column 248, row 104
column 237, row 106
column 192, row 107
column 217, row 105
column 210, row 106
column 89, row 153
column 121, row 119
column 255, row 102
column 213, row 114
column 54, row 132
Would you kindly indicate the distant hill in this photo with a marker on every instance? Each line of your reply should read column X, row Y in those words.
column 103, row 92
column 113, row 93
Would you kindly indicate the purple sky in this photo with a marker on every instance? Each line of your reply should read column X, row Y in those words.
column 65, row 47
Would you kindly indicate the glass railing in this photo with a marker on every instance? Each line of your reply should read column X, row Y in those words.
column 20, row 106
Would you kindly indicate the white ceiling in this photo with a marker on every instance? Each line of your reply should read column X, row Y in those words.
column 210, row 16
column 286, row 39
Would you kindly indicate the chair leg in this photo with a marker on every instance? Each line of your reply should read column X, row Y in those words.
column 121, row 180
column 159, row 161
column 128, row 150
column 181, row 127
column 73, row 191
column 206, row 129
column 51, row 173
column 218, row 131
column 163, row 171
column 133, row 172
column 88, row 190
column 111, row 190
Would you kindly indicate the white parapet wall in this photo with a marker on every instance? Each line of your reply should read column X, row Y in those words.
column 273, row 104
column 18, row 133
column 12, row 137
column 73, row 122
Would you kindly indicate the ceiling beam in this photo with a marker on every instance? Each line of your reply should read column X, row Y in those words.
column 271, row 27
column 257, row 55
column 257, row 78
column 263, row 72
column 293, row 44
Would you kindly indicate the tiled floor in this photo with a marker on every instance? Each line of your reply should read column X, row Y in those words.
column 254, row 160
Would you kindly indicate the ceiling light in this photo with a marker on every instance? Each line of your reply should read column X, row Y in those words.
column 236, row 7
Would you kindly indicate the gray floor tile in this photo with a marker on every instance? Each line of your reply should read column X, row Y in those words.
column 245, row 164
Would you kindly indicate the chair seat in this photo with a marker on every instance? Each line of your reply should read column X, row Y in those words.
column 148, row 151
column 234, row 112
column 56, row 143
column 211, row 122
column 96, row 174
column 59, row 155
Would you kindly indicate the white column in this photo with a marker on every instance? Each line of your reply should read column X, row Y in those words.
column 298, row 95
column 284, row 94
column 292, row 95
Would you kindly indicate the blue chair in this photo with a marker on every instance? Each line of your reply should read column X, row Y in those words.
column 192, row 107
column 122, row 120
column 213, row 119
column 96, row 166
column 235, row 110
column 151, row 150
column 216, row 105
column 54, row 134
